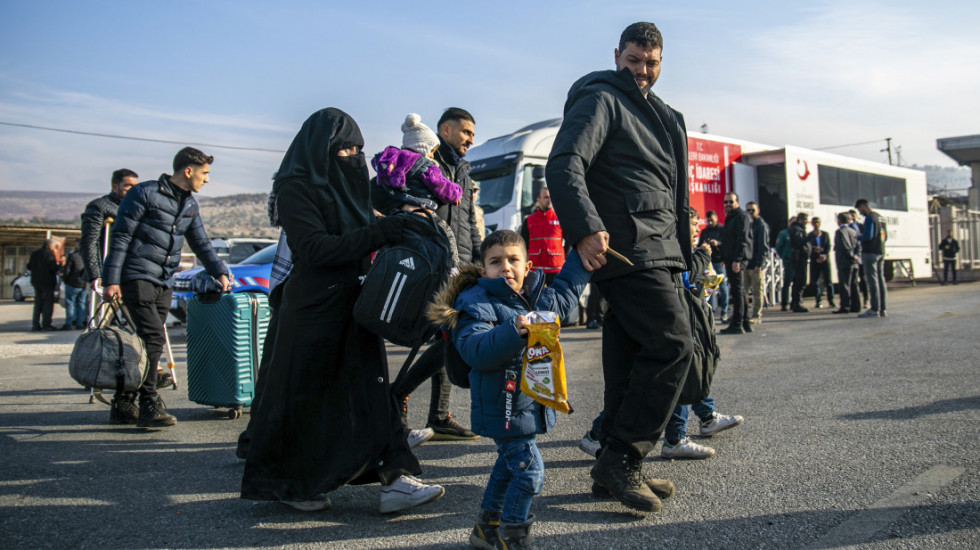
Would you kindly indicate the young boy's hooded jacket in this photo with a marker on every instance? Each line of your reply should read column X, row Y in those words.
column 479, row 314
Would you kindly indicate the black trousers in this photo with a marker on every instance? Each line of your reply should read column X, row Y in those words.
column 820, row 277
column 947, row 265
column 737, row 297
column 646, row 350
column 429, row 364
column 849, row 297
column 43, row 308
column 594, row 306
column 148, row 305
column 799, row 281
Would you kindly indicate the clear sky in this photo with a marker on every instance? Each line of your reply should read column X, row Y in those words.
column 245, row 73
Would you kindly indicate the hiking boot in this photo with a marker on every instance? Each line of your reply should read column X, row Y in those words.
column 589, row 444
column 315, row 504
column 484, row 533
column 165, row 379
column 515, row 536
column 449, row 430
column 660, row 487
column 719, row 423
column 622, row 475
column 686, row 448
column 418, row 437
column 153, row 414
column 406, row 492
column 124, row 409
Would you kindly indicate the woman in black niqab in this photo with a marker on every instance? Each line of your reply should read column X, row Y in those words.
column 326, row 417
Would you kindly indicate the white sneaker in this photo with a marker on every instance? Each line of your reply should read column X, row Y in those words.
column 686, row 448
column 405, row 492
column 588, row 445
column 418, row 437
column 317, row 503
column 720, row 423
column 868, row 313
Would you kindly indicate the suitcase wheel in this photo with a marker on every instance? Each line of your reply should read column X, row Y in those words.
column 234, row 413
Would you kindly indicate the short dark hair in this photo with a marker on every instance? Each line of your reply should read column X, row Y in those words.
column 503, row 237
column 455, row 114
column 802, row 217
column 646, row 35
column 189, row 156
column 843, row 217
column 815, row 219
column 732, row 193
column 693, row 211
column 540, row 189
column 710, row 213
column 118, row 175
column 751, row 203
column 860, row 203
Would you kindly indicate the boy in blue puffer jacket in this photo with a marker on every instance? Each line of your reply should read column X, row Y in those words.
column 484, row 309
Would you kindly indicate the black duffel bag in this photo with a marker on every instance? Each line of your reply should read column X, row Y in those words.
column 109, row 356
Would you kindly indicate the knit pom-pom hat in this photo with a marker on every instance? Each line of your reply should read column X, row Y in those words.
column 417, row 136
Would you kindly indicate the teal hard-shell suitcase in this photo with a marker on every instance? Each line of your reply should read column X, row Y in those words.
column 224, row 345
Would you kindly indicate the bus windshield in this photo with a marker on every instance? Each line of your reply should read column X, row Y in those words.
column 496, row 177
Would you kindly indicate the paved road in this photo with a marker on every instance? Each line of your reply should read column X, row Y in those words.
column 858, row 433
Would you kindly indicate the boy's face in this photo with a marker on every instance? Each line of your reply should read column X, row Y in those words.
column 507, row 261
column 694, row 231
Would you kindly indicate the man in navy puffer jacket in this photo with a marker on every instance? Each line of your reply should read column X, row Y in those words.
column 144, row 252
column 484, row 308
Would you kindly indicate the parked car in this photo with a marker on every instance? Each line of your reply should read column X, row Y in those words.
column 252, row 275
column 23, row 290
column 237, row 249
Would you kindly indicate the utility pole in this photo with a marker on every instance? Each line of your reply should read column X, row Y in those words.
column 888, row 148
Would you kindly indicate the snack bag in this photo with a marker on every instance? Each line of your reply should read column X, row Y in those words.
column 543, row 375
column 710, row 281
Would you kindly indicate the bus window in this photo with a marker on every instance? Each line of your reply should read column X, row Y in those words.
column 839, row 186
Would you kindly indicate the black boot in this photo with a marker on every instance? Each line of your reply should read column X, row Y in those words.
column 153, row 413
column 660, row 487
column 623, row 476
column 124, row 409
column 515, row 536
column 484, row 534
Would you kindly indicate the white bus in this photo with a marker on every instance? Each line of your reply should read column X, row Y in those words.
column 784, row 181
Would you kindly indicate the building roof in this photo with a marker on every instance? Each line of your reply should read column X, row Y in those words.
column 964, row 149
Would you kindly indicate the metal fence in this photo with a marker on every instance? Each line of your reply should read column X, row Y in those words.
column 965, row 224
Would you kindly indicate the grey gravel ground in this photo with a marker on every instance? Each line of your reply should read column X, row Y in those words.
column 858, row 433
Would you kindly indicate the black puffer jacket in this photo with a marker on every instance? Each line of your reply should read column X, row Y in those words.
column 93, row 238
column 798, row 243
column 149, row 232
column 461, row 217
column 619, row 164
column 73, row 272
column 736, row 241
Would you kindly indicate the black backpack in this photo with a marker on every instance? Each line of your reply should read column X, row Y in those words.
column 706, row 354
column 401, row 282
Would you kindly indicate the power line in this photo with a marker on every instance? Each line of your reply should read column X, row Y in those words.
column 849, row 145
column 133, row 138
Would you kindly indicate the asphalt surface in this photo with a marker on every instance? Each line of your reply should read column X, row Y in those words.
column 858, row 433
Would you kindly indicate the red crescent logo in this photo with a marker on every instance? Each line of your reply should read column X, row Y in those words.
column 806, row 169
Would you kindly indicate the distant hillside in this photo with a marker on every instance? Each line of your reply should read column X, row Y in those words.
column 229, row 216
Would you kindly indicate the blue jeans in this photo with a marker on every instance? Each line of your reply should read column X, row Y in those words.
column 677, row 425
column 517, row 476
column 76, row 307
column 722, row 292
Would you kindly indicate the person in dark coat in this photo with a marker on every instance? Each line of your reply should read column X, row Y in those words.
column 618, row 179
column 800, row 247
column 847, row 256
column 950, row 247
column 44, row 278
column 73, row 274
column 736, row 250
column 712, row 235
column 95, row 218
column 820, row 248
column 326, row 417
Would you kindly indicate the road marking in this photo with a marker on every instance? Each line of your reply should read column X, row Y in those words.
column 865, row 523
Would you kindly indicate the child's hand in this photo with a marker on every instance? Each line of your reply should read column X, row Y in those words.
column 521, row 323
column 706, row 247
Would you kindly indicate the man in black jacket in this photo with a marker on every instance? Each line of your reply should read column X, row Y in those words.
column 456, row 131
column 144, row 252
column 950, row 247
column 847, row 255
column 800, row 247
column 873, row 236
column 94, row 229
column 820, row 249
column 736, row 250
column 618, row 179
column 44, row 278
column 73, row 274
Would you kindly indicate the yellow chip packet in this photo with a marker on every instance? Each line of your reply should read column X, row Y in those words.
column 543, row 374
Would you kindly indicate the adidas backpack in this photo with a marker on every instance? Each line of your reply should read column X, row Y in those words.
column 402, row 281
